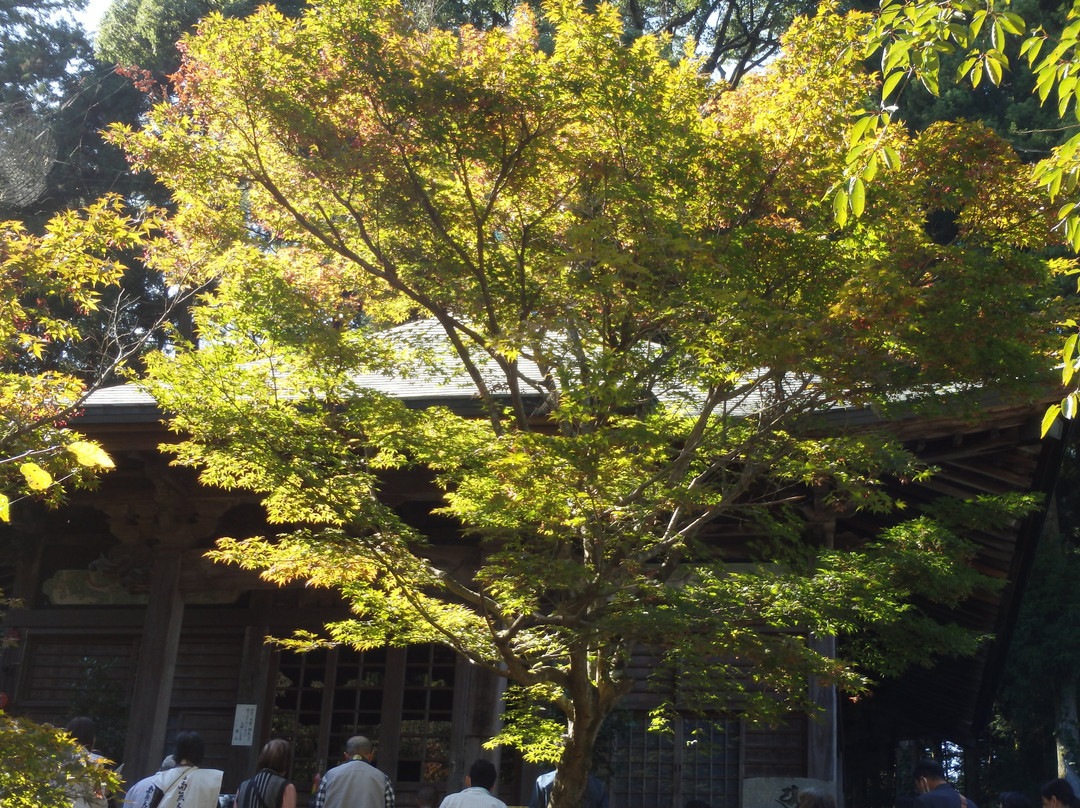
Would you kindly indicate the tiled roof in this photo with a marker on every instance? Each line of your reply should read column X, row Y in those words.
column 129, row 403
column 120, row 404
column 439, row 379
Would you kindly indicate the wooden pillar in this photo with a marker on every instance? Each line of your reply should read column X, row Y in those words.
column 460, row 724
column 149, row 717
column 388, row 744
column 251, row 688
column 329, row 751
column 822, row 757
column 477, row 715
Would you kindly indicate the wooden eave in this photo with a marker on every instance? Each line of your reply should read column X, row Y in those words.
column 951, row 699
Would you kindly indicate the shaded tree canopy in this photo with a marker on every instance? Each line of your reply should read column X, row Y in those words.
column 41, row 55
column 40, row 42
column 54, row 100
column 1036, row 724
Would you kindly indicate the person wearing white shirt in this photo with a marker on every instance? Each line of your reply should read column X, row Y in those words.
column 187, row 785
column 478, row 784
column 142, row 792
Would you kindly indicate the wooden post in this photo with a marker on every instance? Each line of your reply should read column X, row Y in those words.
column 149, row 717
column 822, row 758
column 460, row 725
column 251, row 688
column 29, row 547
column 388, row 744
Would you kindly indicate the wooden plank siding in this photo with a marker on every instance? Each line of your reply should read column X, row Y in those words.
column 776, row 751
column 204, row 694
column 53, row 662
column 206, row 669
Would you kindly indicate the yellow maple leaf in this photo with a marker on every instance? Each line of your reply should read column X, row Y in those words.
column 90, row 454
column 36, row 477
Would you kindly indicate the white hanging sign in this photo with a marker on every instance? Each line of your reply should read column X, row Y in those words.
column 243, row 730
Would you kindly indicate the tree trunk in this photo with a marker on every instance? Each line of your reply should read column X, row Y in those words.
column 572, row 773
column 590, row 708
column 1067, row 735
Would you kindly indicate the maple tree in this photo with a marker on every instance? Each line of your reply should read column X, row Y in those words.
column 1018, row 61
column 66, row 267
column 637, row 274
column 44, row 767
column 912, row 38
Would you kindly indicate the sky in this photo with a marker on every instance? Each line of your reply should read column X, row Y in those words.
column 90, row 15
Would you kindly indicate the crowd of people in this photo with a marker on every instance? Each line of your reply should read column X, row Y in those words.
column 935, row 791
column 181, row 782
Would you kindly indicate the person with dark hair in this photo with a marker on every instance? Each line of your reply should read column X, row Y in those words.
column 83, row 732
column 356, row 783
column 595, row 792
column 1014, row 799
column 189, row 749
column 477, row 792
column 1058, row 794
column 186, row 783
column 269, row 788
column 934, row 790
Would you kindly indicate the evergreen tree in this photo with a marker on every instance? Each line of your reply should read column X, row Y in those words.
column 144, row 33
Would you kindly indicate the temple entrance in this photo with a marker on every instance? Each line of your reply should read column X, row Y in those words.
column 401, row 698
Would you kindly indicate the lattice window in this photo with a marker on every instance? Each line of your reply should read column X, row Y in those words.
column 297, row 714
column 710, row 765
column 353, row 689
column 426, row 713
column 643, row 769
column 358, row 696
column 699, row 760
